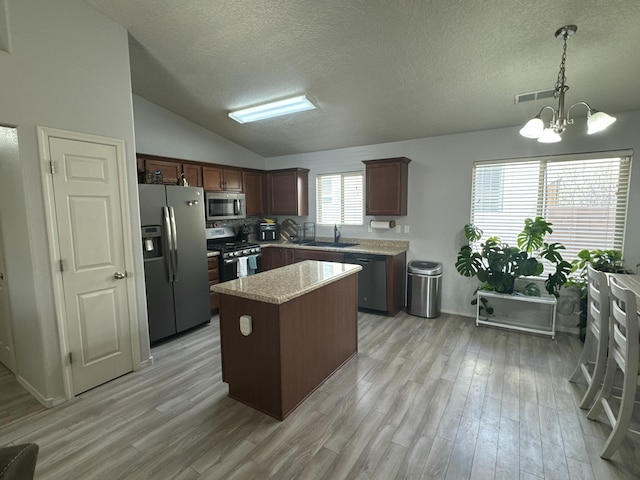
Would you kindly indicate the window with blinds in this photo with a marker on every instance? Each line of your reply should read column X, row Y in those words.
column 584, row 197
column 339, row 198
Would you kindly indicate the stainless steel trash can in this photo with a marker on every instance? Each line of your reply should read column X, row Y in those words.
column 423, row 288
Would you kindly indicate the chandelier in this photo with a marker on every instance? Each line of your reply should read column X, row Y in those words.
column 535, row 128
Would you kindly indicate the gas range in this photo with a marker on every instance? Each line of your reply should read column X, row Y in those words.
column 237, row 258
column 223, row 240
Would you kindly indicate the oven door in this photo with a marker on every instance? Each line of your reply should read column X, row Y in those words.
column 229, row 267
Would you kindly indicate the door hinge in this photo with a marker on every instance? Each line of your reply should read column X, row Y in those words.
column 70, row 358
column 52, row 167
column 61, row 265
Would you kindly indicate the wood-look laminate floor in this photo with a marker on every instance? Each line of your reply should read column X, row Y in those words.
column 424, row 398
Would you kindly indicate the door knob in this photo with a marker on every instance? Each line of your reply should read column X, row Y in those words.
column 119, row 275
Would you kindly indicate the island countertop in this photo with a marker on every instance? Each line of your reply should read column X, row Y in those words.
column 283, row 284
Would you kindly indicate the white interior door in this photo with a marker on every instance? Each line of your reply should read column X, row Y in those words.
column 91, row 242
column 7, row 353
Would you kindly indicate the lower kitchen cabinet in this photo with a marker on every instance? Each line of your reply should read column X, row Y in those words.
column 320, row 255
column 396, row 272
column 214, row 277
column 396, row 278
column 276, row 257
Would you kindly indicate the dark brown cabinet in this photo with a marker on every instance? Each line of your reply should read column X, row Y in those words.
column 214, row 277
column 255, row 190
column 276, row 257
column 288, row 192
column 192, row 174
column 171, row 171
column 386, row 186
column 396, row 277
column 320, row 255
column 218, row 179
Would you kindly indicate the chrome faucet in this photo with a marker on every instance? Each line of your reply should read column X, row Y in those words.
column 336, row 234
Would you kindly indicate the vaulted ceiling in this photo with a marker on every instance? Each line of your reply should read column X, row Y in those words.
column 379, row 70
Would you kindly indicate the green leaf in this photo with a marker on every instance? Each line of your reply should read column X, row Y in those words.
column 469, row 262
column 532, row 236
column 472, row 233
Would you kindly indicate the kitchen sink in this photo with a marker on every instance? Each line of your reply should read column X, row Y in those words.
column 329, row 244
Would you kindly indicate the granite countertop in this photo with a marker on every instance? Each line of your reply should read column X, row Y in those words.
column 283, row 284
column 375, row 247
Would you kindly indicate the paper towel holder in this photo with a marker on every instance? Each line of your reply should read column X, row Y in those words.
column 386, row 224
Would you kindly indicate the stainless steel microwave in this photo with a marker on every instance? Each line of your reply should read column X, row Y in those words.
column 225, row 206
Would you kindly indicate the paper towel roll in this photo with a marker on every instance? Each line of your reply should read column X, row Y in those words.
column 384, row 225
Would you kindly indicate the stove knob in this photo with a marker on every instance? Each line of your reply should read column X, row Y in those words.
column 232, row 254
column 246, row 252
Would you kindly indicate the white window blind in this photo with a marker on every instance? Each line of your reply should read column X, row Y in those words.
column 339, row 198
column 584, row 197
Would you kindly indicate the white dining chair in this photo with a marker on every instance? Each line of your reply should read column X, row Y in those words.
column 593, row 359
column 624, row 347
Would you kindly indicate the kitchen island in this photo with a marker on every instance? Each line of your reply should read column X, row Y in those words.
column 285, row 331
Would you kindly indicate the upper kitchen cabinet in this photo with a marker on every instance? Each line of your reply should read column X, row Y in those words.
column 386, row 186
column 219, row 179
column 288, row 192
column 171, row 170
column 255, row 190
column 193, row 174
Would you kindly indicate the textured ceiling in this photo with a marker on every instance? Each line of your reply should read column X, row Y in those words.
column 379, row 70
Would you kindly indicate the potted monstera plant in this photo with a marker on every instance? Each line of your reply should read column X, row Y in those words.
column 497, row 265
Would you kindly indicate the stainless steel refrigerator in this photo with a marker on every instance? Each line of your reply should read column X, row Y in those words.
column 175, row 258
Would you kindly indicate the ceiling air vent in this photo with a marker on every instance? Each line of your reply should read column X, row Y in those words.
column 528, row 97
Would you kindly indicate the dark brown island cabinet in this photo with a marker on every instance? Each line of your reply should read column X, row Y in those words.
column 276, row 351
column 386, row 186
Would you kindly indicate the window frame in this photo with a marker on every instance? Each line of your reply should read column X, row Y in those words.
column 543, row 198
column 342, row 175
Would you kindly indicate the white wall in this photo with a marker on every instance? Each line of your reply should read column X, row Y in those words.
column 68, row 69
column 440, row 188
column 161, row 132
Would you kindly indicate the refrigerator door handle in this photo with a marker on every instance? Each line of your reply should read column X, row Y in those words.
column 236, row 207
column 168, row 258
column 174, row 236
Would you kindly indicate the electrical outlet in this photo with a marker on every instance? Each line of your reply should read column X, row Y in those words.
column 406, row 229
column 398, row 228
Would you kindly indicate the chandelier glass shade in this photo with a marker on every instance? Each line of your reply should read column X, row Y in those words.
column 551, row 131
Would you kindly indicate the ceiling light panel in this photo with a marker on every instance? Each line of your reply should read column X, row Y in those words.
column 273, row 109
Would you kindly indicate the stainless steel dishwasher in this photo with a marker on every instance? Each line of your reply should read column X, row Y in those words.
column 372, row 280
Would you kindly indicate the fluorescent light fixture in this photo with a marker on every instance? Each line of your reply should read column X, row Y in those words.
column 273, row 109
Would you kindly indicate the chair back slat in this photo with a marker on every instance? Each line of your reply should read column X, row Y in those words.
column 624, row 329
column 598, row 299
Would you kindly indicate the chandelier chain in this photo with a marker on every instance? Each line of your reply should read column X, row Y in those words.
column 560, row 82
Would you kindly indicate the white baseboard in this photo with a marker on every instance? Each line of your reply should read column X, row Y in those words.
column 146, row 363
column 47, row 402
